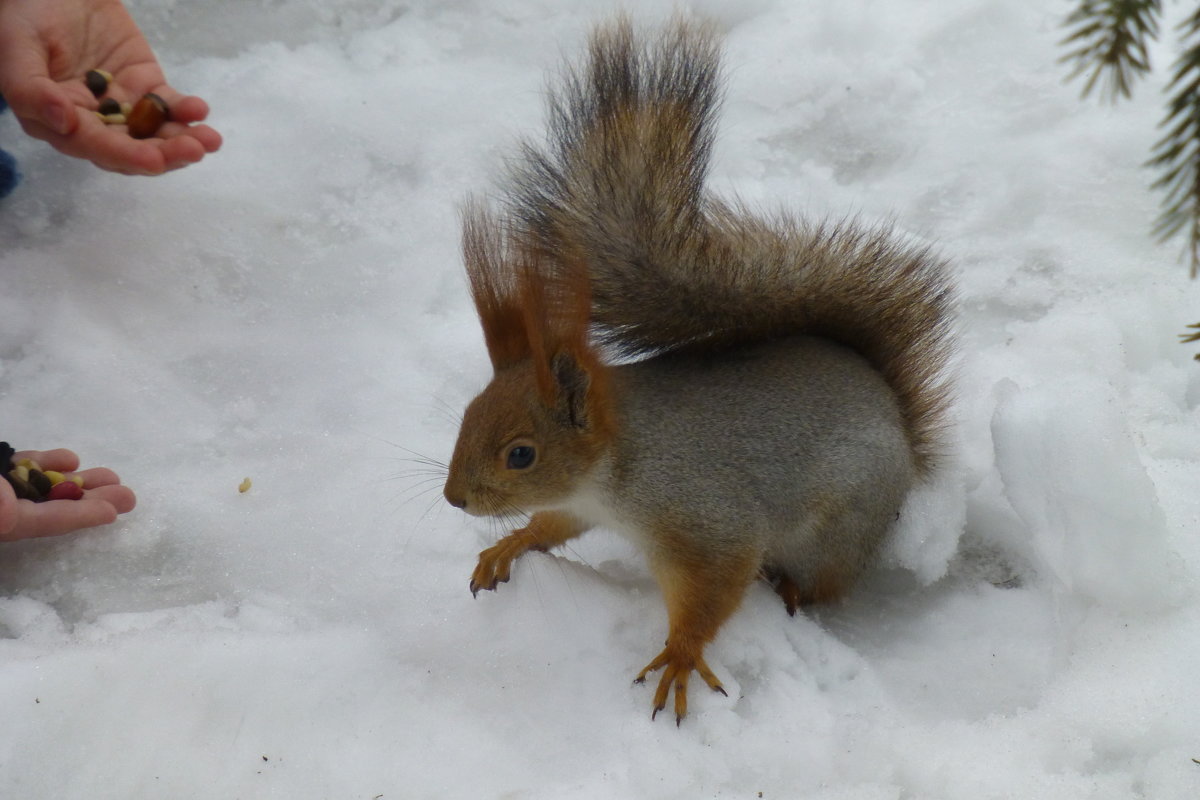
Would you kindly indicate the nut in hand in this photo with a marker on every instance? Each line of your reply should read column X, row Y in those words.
column 97, row 81
column 67, row 490
column 147, row 116
column 30, row 482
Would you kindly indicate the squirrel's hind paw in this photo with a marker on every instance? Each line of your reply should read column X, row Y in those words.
column 792, row 597
column 677, row 669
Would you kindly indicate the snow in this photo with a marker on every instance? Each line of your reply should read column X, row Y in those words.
column 293, row 309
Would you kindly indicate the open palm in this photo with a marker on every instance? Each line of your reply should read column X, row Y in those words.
column 104, row 497
column 47, row 46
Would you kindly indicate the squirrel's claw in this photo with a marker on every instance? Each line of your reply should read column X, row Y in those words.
column 792, row 597
column 490, row 587
column 495, row 563
column 677, row 667
column 545, row 530
column 787, row 589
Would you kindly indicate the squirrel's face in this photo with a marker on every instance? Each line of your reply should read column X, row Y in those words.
column 516, row 453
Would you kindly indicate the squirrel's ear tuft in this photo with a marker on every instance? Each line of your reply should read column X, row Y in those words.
column 495, row 287
column 556, row 295
column 535, row 307
column 573, row 382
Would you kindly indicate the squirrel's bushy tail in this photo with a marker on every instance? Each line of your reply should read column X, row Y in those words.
column 618, row 190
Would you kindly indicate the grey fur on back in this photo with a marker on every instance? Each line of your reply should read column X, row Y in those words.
column 795, row 448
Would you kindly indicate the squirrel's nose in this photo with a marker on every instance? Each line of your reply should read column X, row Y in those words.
column 455, row 500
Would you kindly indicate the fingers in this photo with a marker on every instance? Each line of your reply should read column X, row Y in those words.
column 32, row 94
column 99, row 482
column 186, row 144
column 184, row 111
column 59, row 460
column 110, row 146
column 103, row 499
column 47, row 111
column 45, row 102
column 208, row 138
column 36, row 520
column 108, row 149
column 121, row 498
column 184, row 108
column 26, row 519
column 96, row 477
column 8, row 510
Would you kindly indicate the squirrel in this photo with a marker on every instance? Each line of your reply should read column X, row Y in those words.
column 742, row 395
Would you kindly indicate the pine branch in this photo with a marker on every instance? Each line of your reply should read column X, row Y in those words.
column 1177, row 153
column 1110, row 45
column 1191, row 337
column 1110, row 39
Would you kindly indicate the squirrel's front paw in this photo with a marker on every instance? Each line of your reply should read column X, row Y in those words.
column 495, row 563
column 677, row 665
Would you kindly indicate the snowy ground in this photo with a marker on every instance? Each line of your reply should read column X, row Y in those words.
column 293, row 310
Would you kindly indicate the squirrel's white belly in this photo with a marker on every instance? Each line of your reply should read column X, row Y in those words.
column 593, row 503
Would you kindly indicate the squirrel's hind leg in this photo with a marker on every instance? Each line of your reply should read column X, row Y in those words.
column 787, row 589
column 823, row 589
column 821, row 560
column 701, row 590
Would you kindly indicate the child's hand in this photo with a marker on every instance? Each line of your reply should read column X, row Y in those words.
column 46, row 48
column 103, row 499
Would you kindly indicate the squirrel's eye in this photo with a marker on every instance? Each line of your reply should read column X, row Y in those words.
column 521, row 456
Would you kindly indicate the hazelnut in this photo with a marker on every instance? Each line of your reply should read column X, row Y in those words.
column 147, row 116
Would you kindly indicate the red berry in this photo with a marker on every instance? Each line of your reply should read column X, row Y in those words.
column 67, row 490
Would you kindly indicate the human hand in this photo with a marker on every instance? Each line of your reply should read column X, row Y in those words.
column 103, row 499
column 47, row 46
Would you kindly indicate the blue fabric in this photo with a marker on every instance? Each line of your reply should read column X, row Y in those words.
column 9, row 176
